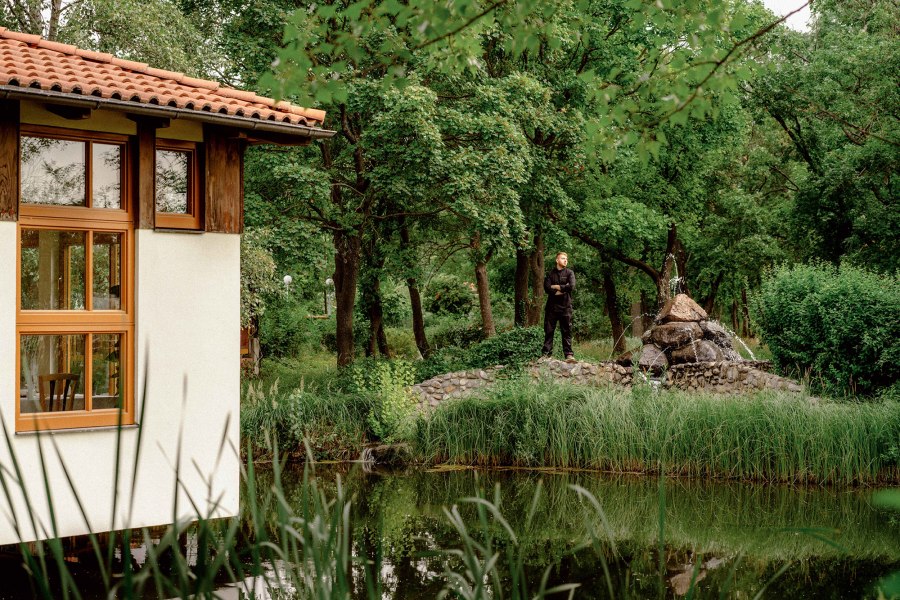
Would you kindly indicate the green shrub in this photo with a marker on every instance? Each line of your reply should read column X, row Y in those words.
column 385, row 384
column 450, row 295
column 515, row 347
column 286, row 330
column 455, row 332
column 839, row 326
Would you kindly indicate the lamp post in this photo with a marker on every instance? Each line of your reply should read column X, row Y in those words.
column 328, row 283
column 288, row 280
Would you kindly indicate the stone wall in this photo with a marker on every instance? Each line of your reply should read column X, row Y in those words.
column 432, row 392
column 713, row 377
column 727, row 377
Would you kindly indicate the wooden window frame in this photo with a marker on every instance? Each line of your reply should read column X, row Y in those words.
column 87, row 322
column 191, row 219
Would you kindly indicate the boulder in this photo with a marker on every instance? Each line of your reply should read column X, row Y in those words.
column 699, row 351
column 674, row 335
column 714, row 332
column 731, row 355
column 681, row 309
column 652, row 359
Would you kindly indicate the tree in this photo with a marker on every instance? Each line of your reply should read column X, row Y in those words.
column 833, row 94
column 153, row 31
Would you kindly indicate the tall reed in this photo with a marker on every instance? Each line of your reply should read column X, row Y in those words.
column 766, row 436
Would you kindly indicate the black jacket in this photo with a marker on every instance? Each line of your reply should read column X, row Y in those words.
column 565, row 279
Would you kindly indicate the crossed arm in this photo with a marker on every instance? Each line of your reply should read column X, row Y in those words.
column 559, row 289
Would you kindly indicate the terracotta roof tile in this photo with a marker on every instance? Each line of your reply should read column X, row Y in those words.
column 28, row 61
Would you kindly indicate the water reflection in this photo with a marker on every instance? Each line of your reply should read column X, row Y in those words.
column 727, row 540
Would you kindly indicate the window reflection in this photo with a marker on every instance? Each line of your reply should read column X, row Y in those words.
column 52, row 269
column 51, row 373
column 107, row 261
column 53, row 171
column 106, row 175
column 106, row 386
column 172, row 181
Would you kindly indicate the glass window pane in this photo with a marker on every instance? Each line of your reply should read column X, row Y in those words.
column 51, row 373
column 53, row 171
column 107, row 271
column 106, row 389
column 106, row 176
column 172, row 181
column 52, row 269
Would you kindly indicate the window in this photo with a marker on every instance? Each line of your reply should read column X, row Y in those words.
column 75, row 317
column 177, row 185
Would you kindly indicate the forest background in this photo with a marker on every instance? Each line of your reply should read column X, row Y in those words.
column 666, row 146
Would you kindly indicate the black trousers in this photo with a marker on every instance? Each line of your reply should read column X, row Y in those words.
column 551, row 318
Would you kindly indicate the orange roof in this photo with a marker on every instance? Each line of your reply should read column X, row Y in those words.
column 31, row 63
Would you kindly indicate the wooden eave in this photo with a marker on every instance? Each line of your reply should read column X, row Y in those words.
column 253, row 130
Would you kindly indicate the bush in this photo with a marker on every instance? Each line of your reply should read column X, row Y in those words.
column 286, row 330
column 447, row 294
column 839, row 326
column 392, row 406
column 514, row 349
column 455, row 332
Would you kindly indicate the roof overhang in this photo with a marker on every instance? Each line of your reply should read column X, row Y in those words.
column 255, row 130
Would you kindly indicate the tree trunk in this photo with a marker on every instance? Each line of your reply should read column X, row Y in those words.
column 735, row 326
column 484, row 298
column 55, row 13
column 375, row 313
column 520, row 293
column 664, row 276
column 415, row 299
column 710, row 301
column 680, row 257
column 612, row 307
column 747, row 333
column 536, row 263
column 346, row 276
column 647, row 315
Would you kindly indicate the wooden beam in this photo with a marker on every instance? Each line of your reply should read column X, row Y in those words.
column 144, row 174
column 148, row 121
column 72, row 113
column 224, row 181
column 9, row 160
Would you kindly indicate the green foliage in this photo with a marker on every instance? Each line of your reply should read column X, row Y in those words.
column 258, row 279
column 449, row 295
column 385, row 384
column 833, row 94
column 765, row 436
column 513, row 348
column 333, row 425
column 287, row 330
column 838, row 326
column 451, row 332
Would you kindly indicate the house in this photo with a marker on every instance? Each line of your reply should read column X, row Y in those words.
column 121, row 205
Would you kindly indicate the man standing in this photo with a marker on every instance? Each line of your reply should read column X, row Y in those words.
column 559, row 285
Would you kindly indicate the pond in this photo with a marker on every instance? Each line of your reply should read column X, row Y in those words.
column 734, row 540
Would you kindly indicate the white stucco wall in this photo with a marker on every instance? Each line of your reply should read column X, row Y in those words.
column 187, row 352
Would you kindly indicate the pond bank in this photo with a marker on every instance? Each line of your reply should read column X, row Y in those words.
column 764, row 436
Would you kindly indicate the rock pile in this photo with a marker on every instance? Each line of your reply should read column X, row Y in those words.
column 683, row 334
